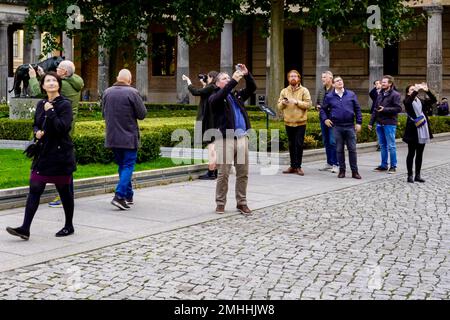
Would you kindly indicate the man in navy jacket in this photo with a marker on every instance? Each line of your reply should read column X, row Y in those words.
column 340, row 107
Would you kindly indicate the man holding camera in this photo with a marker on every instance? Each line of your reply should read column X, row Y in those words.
column 385, row 115
column 232, row 121
column 295, row 101
column 205, row 118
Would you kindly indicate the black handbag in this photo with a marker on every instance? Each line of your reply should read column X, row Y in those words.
column 35, row 147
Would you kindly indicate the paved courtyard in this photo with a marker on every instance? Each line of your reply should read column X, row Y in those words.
column 382, row 239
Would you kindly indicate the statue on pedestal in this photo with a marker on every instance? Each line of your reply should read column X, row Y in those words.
column 21, row 74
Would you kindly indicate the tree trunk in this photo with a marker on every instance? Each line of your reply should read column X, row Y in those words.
column 276, row 52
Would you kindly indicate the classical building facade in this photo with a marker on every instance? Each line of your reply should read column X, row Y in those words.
column 423, row 56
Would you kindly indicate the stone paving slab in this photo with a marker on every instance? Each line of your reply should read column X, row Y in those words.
column 386, row 239
column 164, row 208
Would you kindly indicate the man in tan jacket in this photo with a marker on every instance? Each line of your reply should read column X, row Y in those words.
column 295, row 101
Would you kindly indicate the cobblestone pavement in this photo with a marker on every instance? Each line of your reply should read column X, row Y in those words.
column 381, row 240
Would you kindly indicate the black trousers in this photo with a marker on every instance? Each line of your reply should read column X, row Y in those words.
column 414, row 149
column 296, row 137
column 36, row 189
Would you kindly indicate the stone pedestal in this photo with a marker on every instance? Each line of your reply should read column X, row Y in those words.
column 22, row 108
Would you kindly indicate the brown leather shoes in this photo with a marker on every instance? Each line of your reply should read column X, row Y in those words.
column 220, row 209
column 300, row 172
column 290, row 170
column 244, row 209
column 341, row 174
column 355, row 175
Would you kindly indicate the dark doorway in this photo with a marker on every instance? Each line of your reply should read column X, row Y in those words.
column 293, row 51
column 390, row 59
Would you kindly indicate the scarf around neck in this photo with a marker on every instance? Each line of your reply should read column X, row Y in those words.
column 422, row 133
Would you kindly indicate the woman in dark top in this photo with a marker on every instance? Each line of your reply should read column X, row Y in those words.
column 55, row 162
column 416, row 137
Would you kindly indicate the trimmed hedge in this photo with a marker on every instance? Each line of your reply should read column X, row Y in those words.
column 91, row 148
column 89, row 135
column 16, row 129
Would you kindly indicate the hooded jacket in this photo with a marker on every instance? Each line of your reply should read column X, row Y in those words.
column 57, row 154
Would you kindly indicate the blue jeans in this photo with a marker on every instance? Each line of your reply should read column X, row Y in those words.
column 126, row 159
column 386, row 140
column 329, row 143
column 346, row 135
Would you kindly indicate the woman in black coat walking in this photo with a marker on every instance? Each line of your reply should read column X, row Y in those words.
column 417, row 131
column 55, row 162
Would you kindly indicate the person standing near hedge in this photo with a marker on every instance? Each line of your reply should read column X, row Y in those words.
column 72, row 84
column 205, row 118
column 55, row 162
column 121, row 107
column 385, row 114
column 340, row 108
column 417, row 135
column 329, row 142
column 295, row 101
column 233, row 123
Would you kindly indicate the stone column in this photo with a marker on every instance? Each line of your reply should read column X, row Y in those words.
column 67, row 44
column 322, row 59
column 103, row 71
column 142, row 73
column 182, row 68
column 375, row 65
column 36, row 47
column 267, row 69
column 226, row 48
column 4, row 61
column 26, row 49
column 434, row 49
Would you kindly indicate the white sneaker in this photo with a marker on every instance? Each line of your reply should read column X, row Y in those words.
column 327, row 167
column 335, row 169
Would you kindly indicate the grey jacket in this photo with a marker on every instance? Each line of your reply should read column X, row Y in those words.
column 121, row 107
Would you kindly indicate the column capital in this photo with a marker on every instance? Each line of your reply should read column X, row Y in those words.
column 434, row 9
column 228, row 21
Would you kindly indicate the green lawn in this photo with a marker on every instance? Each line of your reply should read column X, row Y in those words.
column 15, row 168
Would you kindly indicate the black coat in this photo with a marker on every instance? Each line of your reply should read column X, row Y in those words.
column 373, row 94
column 204, row 113
column 223, row 111
column 57, row 157
column 410, row 135
column 391, row 101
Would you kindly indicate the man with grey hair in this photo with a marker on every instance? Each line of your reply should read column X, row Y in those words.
column 232, row 121
column 328, row 139
column 121, row 107
column 72, row 84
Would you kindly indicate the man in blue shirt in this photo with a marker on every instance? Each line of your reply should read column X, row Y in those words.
column 232, row 121
column 340, row 107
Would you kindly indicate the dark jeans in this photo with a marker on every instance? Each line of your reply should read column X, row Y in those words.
column 36, row 190
column 296, row 137
column 346, row 135
column 417, row 150
column 329, row 143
